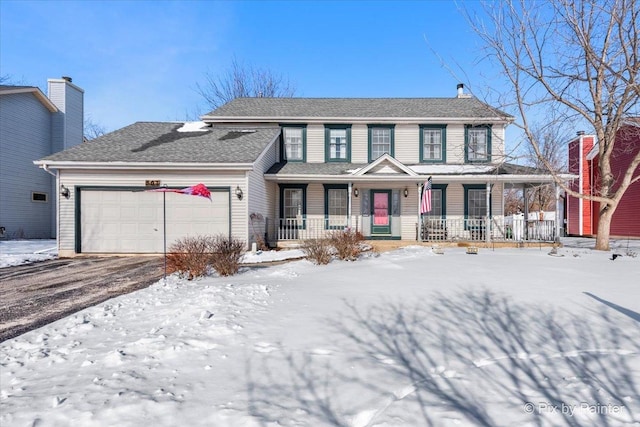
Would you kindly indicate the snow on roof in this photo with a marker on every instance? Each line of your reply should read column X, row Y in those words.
column 193, row 127
column 451, row 169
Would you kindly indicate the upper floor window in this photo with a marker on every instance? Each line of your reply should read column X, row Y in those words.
column 294, row 143
column 478, row 143
column 380, row 141
column 338, row 143
column 433, row 143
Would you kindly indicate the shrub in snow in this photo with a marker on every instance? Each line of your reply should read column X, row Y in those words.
column 193, row 256
column 225, row 255
column 190, row 256
column 318, row 251
column 347, row 244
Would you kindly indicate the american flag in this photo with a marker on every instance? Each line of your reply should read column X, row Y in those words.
column 425, row 204
column 195, row 190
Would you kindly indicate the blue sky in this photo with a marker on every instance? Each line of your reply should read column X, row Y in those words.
column 140, row 61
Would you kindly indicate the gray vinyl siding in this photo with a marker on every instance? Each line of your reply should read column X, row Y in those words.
column 260, row 194
column 67, row 123
column 25, row 136
column 73, row 178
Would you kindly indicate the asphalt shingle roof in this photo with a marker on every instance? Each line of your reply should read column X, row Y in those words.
column 288, row 108
column 161, row 142
column 295, row 168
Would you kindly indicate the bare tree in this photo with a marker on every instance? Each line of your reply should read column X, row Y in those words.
column 92, row 129
column 580, row 59
column 551, row 139
column 242, row 80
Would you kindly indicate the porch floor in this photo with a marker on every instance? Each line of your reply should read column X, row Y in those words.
column 390, row 245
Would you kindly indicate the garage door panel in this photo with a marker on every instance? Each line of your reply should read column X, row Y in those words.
column 132, row 222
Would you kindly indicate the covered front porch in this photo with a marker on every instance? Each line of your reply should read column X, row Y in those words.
column 382, row 201
column 513, row 229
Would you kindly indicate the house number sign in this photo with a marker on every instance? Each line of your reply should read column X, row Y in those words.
column 152, row 183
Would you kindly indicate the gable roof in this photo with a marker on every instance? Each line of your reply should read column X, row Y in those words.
column 162, row 142
column 279, row 109
column 388, row 162
column 11, row 90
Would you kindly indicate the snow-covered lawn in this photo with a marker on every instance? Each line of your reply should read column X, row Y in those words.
column 18, row 252
column 406, row 338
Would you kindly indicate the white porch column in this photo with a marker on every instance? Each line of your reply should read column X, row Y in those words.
column 525, row 196
column 487, row 231
column 557, row 188
column 420, row 236
column 349, row 191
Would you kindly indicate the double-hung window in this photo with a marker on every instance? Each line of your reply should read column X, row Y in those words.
column 338, row 143
column 294, row 138
column 475, row 204
column 433, row 143
column 437, row 202
column 336, row 206
column 380, row 141
column 478, row 143
column 293, row 205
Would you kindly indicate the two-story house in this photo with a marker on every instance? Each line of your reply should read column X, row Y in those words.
column 295, row 168
column 34, row 125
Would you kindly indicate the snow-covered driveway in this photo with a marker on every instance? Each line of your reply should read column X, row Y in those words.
column 511, row 337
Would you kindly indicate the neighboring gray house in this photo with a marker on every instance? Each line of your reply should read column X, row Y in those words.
column 32, row 126
column 293, row 169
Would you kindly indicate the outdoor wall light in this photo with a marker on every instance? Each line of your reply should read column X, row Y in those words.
column 64, row 192
column 239, row 193
column 355, row 192
column 406, row 192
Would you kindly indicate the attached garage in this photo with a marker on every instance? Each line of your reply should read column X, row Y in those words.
column 103, row 207
column 130, row 220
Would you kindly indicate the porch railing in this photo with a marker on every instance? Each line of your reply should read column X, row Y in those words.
column 303, row 228
column 476, row 230
column 431, row 230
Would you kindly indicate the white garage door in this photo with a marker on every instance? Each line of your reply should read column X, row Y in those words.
column 132, row 222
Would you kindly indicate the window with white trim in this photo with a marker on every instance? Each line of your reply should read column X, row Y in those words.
column 292, row 202
column 432, row 145
column 476, row 203
column 294, row 143
column 336, row 206
column 380, row 141
column 338, row 143
column 478, row 143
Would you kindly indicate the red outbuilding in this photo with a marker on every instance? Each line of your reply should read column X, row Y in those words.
column 582, row 214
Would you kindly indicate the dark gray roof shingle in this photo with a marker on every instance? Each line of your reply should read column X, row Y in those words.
column 161, row 142
column 288, row 108
column 295, row 168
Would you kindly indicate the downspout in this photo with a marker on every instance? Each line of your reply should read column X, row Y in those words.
column 57, row 193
